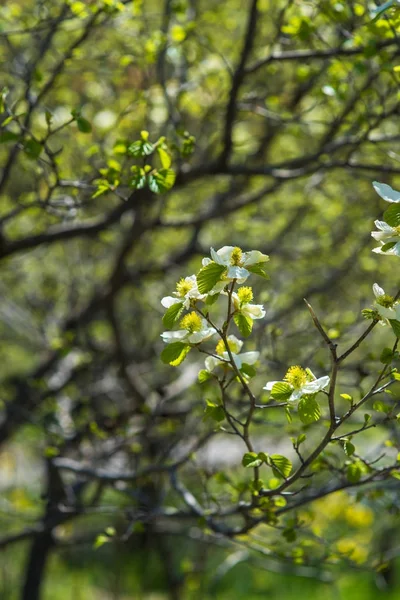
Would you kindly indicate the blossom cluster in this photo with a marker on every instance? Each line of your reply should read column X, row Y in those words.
column 194, row 294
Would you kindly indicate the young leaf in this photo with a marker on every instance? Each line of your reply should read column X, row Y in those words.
column 244, row 324
column 395, row 325
column 354, row 472
column 138, row 180
column 175, row 353
column 32, row 148
column 203, row 376
column 208, row 276
column 250, row 460
column 392, row 215
column 248, row 370
column 214, row 411
column 172, row 315
column 165, row 158
column 141, row 148
column 161, row 181
column 83, row 125
column 258, row 269
column 348, row 448
column 386, row 356
column 309, row 410
column 281, row 391
column 347, row 397
column 281, row 465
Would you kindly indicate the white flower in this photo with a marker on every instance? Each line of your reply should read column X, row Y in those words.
column 386, row 192
column 241, row 302
column 385, row 305
column 235, row 345
column 186, row 291
column 236, row 262
column 301, row 381
column 387, row 235
column 193, row 330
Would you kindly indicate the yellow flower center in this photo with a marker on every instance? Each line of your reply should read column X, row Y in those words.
column 183, row 287
column 221, row 348
column 297, row 377
column 245, row 295
column 397, row 229
column 191, row 322
column 385, row 300
column 236, row 257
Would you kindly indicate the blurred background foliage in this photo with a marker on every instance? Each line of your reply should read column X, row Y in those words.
column 277, row 116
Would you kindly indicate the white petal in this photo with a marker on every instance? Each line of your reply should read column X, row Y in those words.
column 396, row 249
column 223, row 255
column 271, row 384
column 238, row 273
column 296, row 395
column 378, row 291
column 206, row 261
column 314, row 386
column 386, row 313
column 254, row 311
column 173, row 336
column 198, row 336
column 249, row 358
column 386, row 192
column 254, row 257
column 383, row 226
column 168, row 301
column 211, row 362
column 232, row 339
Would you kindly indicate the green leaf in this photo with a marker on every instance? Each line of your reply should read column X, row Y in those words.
column 309, row 410
column 141, row 148
column 211, row 299
column 172, row 314
column 32, row 148
column 380, row 406
column 395, row 325
column 302, row 438
column 139, row 179
column 386, row 356
column 281, row 391
column 208, row 276
column 251, row 460
column 175, row 353
column 264, row 457
column 165, row 158
column 83, row 125
column 258, row 269
column 354, row 472
column 214, row 411
column 392, row 215
column 348, row 448
column 388, row 246
column 347, row 397
column 161, row 181
column 290, row 535
column 8, row 136
column 101, row 540
column 281, row 465
column 248, row 370
column 203, row 376
column 244, row 324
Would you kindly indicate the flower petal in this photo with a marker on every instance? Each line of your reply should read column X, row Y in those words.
column 168, row 301
column 378, row 291
column 173, row 336
column 254, row 257
column 238, row 273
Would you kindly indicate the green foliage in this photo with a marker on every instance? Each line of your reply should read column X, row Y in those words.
column 208, row 276
column 172, row 315
column 175, row 353
column 309, row 410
